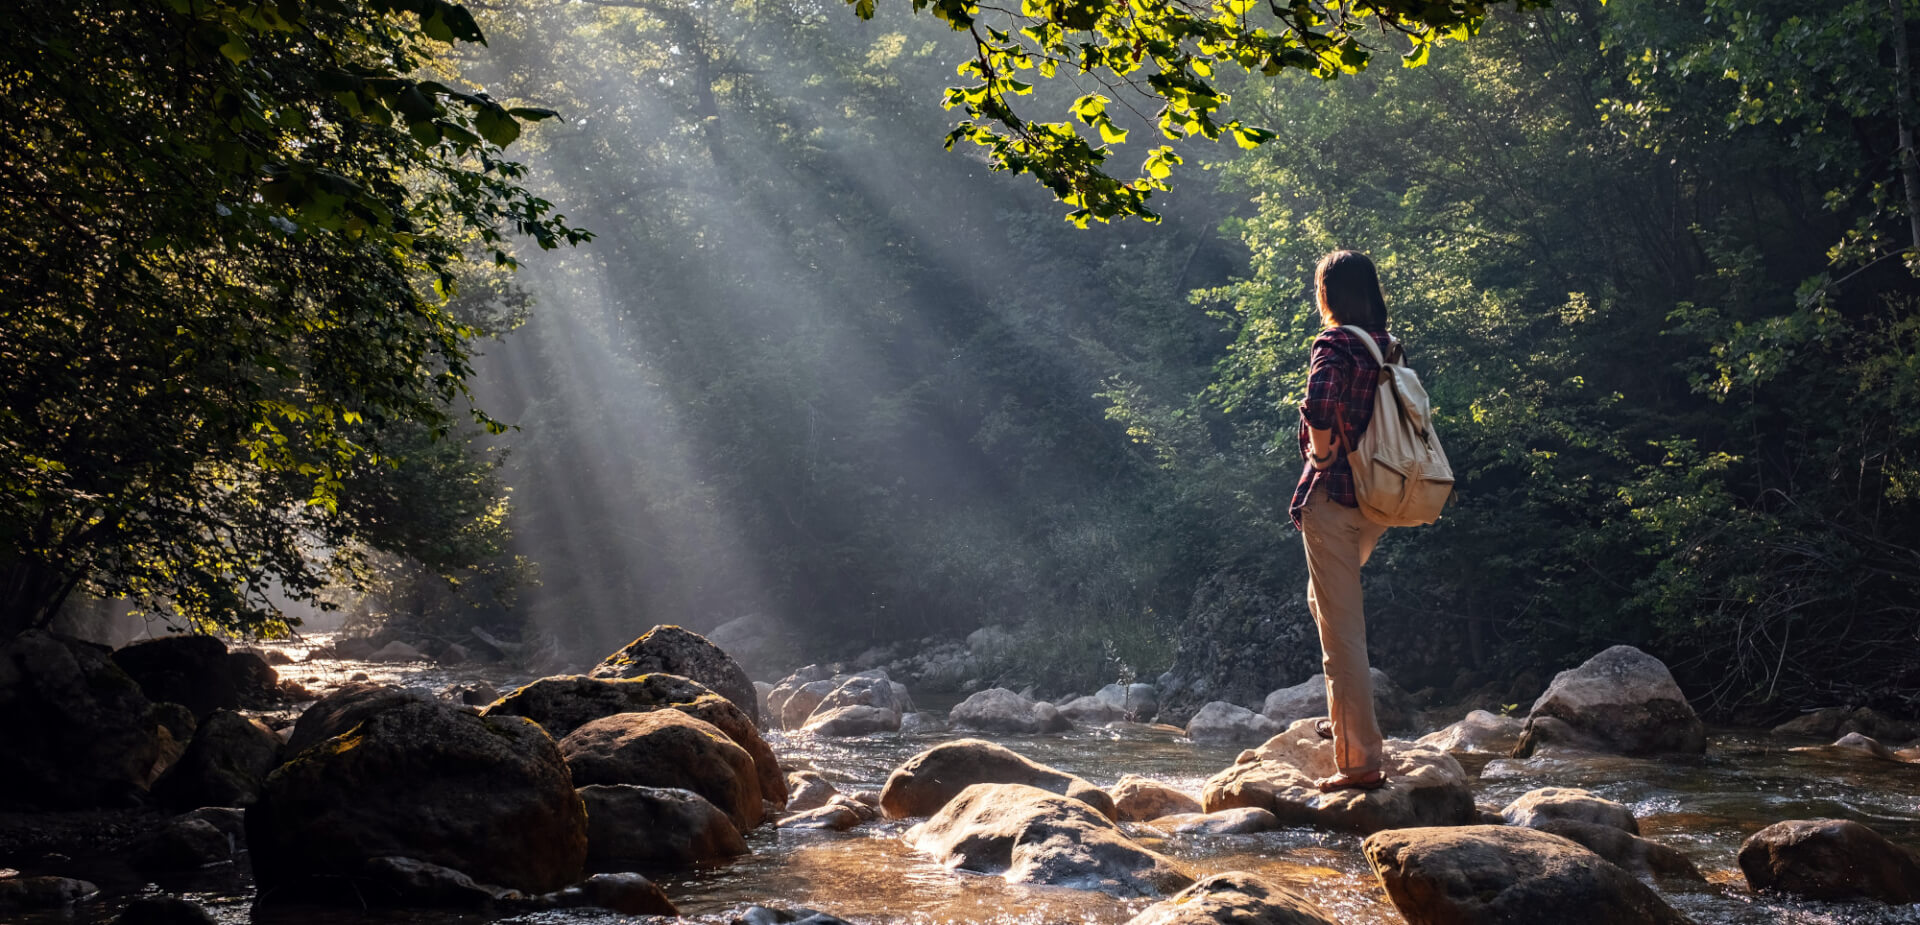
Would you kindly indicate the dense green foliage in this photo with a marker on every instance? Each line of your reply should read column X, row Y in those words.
column 224, row 342
column 817, row 371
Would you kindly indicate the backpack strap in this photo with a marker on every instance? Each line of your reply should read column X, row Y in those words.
column 1367, row 338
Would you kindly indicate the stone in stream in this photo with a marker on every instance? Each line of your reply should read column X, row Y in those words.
column 163, row 910
column 1308, row 699
column 997, row 709
column 801, row 702
column 667, row 748
column 491, row 797
column 346, row 708
column 564, row 703
column 688, row 654
column 1106, row 705
column 405, row 881
column 183, row 844
column 77, row 729
column 27, row 894
column 1621, row 700
column 1026, row 835
column 192, row 671
column 655, row 827
column 1246, row 820
column 1425, row 786
column 224, row 765
column 397, row 651
column 1138, row 799
column 927, row 781
column 1235, row 898
column 761, row 915
column 1832, row 859
column 1468, row 875
column 1626, row 850
column 625, row 893
column 1834, row 722
column 1539, row 805
column 776, row 699
column 808, row 791
column 1853, row 745
column 1481, row 733
column 836, row 817
column 1232, row 724
column 852, row 720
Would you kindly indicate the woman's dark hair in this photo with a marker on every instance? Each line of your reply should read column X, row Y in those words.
column 1349, row 291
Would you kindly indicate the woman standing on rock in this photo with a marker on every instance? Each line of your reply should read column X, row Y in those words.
column 1342, row 377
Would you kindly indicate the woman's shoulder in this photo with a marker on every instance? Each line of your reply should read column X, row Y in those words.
column 1340, row 338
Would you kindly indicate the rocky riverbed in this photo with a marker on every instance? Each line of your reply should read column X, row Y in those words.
column 1674, row 819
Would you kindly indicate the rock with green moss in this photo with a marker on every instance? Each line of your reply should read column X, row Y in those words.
column 679, row 651
column 668, row 748
column 77, row 730
column 225, row 764
column 490, row 797
column 346, row 708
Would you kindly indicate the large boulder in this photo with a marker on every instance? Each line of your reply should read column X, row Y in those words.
column 1539, row 805
column 192, row 671
column 1830, row 859
column 565, row 703
column 1392, row 708
column 78, row 730
column 1627, row 851
column 1236, row 643
column 852, row 720
column 800, row 701
column 1834, row 722
column 1481, row 733
column 667, row 748
column 225, row 764
column 254, row 678
column 628, row 825
column 776, row 699
column 1425, row 786
column 1106, row 705
column 490, row 797
column 1495, row 874
column 1031, row 836
column 872, row 689
column 1246, row 820
column 1227, row 723
column 1139, row 799
column 688, row 654
column 346, row 708
column 1621, row 700
column 927, row 781
column 1235, row 898
column 997, row 709
column 809, row 791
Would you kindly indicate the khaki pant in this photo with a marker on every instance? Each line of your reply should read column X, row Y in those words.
column 1339, row 540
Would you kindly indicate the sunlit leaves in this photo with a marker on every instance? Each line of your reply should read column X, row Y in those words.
column 1164, row 54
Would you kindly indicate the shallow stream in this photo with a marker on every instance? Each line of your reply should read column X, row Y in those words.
column 1704, row 807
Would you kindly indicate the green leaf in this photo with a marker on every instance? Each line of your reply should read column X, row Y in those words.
column 497, row 126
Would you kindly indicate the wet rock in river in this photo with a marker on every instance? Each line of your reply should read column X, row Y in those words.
column 1621, row 700
column 1107, row 705
column 761, row 915
column 184, row 844
column 808, row 791
column 1854, row 745
column 1542, row 804
column 847, row 721
column 409, row 882
column 997, row 709
column 25, row 894
column 1391, row 705
column 667, row 748
column 346, row 708
column 224, row 765
column 801, row 702
column 624, row 893
column 397, row 651
column 1246, row 820
column 837, row 817
column 1235, row 898
column 565, row 703
column 1425, row 786
column 867, row 689
column 1031, row 836
column 688, row 654
column 777, row 697
column 1834, row 722
column 1486, row 874
column 189, row 670
column 1138, row 799
column 1830, row 859
column 488, row 796
column 1481, row 733
column 163, row 910
column 655, row 827
column 1627, row 851
column 927, row 781
column 78, row 730
column 1228, row 723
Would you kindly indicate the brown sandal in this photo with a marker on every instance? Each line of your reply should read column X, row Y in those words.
column 1324, row 728
column 1372, row 780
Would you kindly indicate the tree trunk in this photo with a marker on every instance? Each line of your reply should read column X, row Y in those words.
column 1903, row 103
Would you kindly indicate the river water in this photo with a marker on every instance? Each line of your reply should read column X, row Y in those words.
column 1704, row 807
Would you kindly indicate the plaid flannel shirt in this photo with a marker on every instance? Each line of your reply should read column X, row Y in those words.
column 1341, row 379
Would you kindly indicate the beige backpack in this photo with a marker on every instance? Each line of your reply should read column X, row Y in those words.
column 1400, row 473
